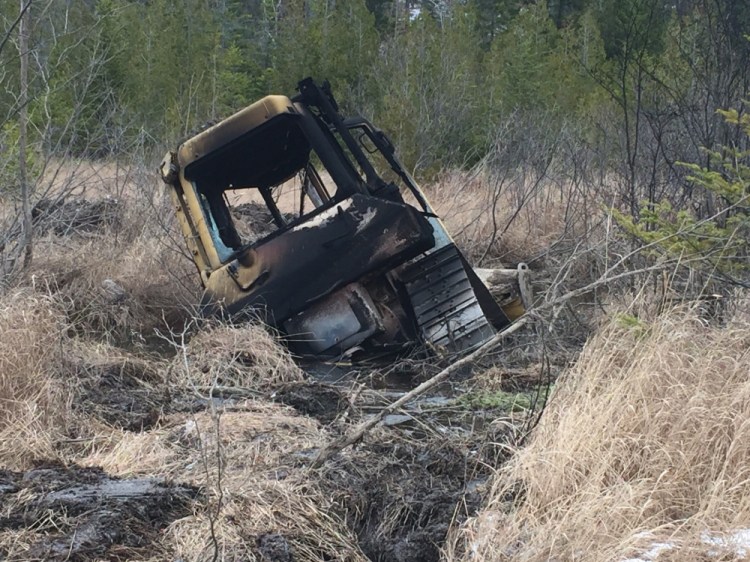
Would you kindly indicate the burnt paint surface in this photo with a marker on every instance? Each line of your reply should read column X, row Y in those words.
column 341, row 320
column 359, row 236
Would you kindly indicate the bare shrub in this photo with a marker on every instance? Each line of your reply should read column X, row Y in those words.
column 505, row 218
column 645, row 442
column 35, row 405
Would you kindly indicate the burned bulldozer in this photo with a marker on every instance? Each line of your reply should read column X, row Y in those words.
column 356, row 260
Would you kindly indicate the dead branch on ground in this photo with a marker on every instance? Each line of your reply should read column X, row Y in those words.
column 336, row 446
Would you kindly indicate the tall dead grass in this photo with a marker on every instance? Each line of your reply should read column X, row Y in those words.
column 250, row 460
column 128, row 277
column 122, row 293
column 642, row 453
column 509, row 218
column 35, row 404
column 267, row 492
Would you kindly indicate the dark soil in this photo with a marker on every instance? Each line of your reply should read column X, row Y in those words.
column 324, row 402
column 274, row 548
column 83, row 514
column 406, row 494
column 412, row 505
column 124, row 394
column 407, row 483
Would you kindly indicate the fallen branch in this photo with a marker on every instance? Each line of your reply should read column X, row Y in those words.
column 335, row 446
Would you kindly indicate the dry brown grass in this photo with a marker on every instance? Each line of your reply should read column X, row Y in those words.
column 122, row 282
column 250, row 460
column 107, row 246
column 35, row 404
column 123, row 292
column 530, row 217
column 266, row 487
column 645, row 441
column 243, row 356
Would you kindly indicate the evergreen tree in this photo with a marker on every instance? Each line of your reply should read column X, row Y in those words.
column 326, row 39
column 492, row 17
column 428, row 87
column 718, row 243
column 525, row 73
column 631, row 28
column 164, row 63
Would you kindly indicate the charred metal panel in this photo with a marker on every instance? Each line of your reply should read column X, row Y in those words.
column 333, row 247
column 445, row 305
column 340, row 321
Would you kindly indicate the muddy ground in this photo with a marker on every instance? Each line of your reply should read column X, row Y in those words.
column 399, row 490
column 394, row 495
column 80, row 513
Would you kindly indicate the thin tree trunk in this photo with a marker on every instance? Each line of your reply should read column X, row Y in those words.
column 23, row 118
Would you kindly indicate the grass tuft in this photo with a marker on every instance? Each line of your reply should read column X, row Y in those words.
column 35, row 403
column 243, row 356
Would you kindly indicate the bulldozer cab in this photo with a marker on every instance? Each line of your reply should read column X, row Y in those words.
column 355, row 259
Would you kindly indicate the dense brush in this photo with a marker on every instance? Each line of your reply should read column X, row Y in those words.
column 645, row 442
column 35, row 404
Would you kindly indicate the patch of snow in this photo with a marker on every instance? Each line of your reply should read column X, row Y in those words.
column 653, row 552
column 737, row 542
column 487, row 522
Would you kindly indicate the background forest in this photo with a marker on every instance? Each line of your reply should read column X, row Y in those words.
column 604, row 92
column 603, row 98
column 629, row 86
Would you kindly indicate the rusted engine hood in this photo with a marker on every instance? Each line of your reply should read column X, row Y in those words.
column 337, row 245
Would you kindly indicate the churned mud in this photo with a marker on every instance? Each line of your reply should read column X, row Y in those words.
column 76, row 513
column 127, row 395
column 324, row 402
column 409, row 492
column 392, row 497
